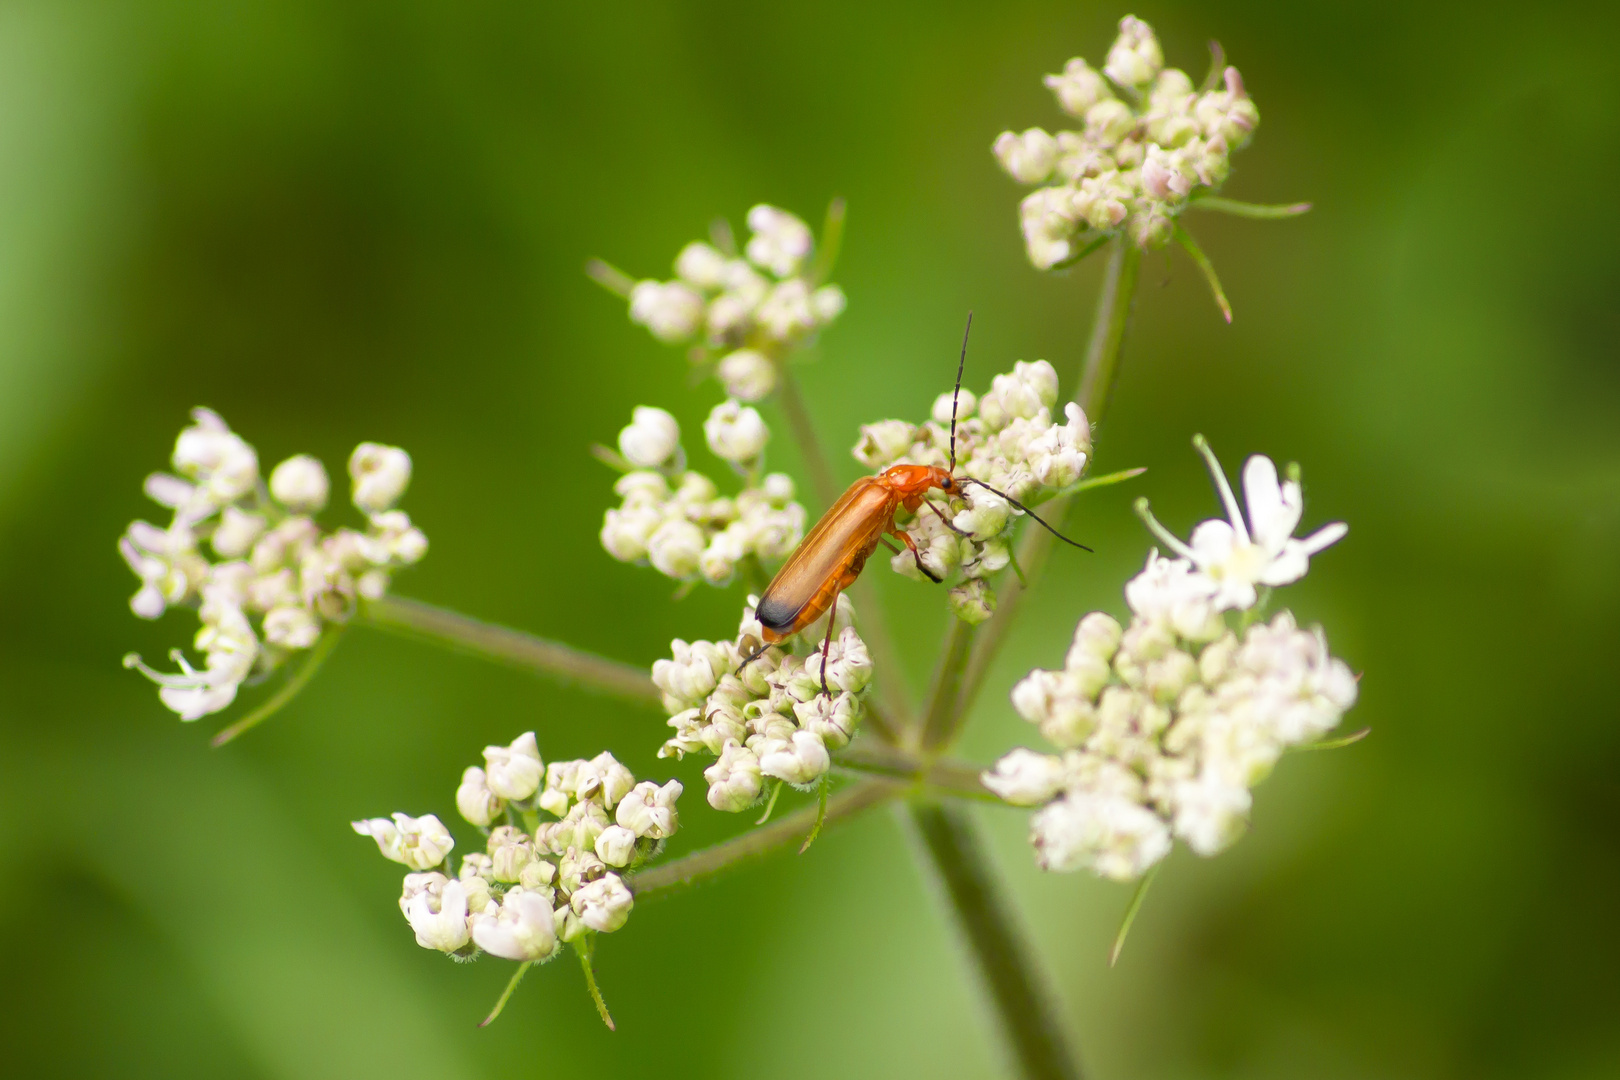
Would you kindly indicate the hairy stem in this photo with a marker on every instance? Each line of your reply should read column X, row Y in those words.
column 1022, row 1002
column 1096, row 383
column 441, row 626
column 289, row 690
column 784, row 831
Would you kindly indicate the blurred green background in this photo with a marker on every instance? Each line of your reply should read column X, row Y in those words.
column 368, row 221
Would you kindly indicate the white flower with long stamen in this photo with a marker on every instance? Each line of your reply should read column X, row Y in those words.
column 1167, row 724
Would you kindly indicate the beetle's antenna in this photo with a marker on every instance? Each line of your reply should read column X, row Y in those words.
column 957, row 393
column 1027, row 510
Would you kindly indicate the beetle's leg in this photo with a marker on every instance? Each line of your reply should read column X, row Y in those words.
column 946, row 521
column 826, row 646
column 888, row 545
column 915, row 554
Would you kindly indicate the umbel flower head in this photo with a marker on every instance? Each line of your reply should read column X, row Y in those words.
column 558, row 839
column 265, row 580
column 1164, row 726
column 1007, row 438
column 675, row 518
column 746, row 310
column 770, row 719
column 1149, row 144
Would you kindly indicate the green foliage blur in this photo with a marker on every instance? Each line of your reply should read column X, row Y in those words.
column 369, row 221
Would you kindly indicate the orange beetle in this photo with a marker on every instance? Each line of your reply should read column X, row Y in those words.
column 831, row 557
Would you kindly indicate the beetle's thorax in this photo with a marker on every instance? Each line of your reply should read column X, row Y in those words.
column 913, row 480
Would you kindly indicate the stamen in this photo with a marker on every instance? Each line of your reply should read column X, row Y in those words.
column 1165, row 535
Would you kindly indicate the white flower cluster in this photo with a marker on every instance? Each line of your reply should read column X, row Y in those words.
column 748, row 309
column 270, row 560
column 1008, row 440
column 771, row 718
column 529, row 891
column 677, row 520
column 1165, row 726
column 1143, row 153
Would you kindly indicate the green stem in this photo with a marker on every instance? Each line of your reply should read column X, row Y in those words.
column 610, row 277
column 942, row 719
column 821, row 812
column 789, row 829
column 944, row 776
column 289, row 689
column 822, row 482
column 506, row 995
column 1096, row 382
column 1200, row 260
column 1130, row 913
column 564, row 662
column 585, row 947
column 1009, row 972
column 832, row 238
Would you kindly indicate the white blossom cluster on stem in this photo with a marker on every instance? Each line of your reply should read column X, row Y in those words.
column 264, row 578
column 1008, row 440
column 770, row 719
column 1149, row 144
column 558, row 840
column 1165, row 725
column 749, row 309
column 676, row 520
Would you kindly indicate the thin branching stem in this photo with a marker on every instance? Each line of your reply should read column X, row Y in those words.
column 1023, row 1003
column 441, row 626
column 940, row 720
column 785, row 831
column 1249, row 210
column 289, row 690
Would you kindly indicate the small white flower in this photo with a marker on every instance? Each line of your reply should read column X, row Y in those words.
column 380, row 475
column 510, row 850
column 300, row 484
column 1058, row 457
column 420, row 843
column 827, row 303
column 1029, row 157
column 616, row 845
column 693, row 673
column 649, row 810
column 972, row 601
column 734, row 780
column 224, row 466
column 1113, row 835
column 1078, row 88
column 799, row 760
column 291, row 627
column 787, row 312
column 781, row 242
column 884, row 443
column 513, row 772
column 626, row 530
column 1210, row 812
column 1025, row 778
column 437, row 915
column 1047, row 217
column 676, row 548
column 671, row 310
column 735, row 431
column 1135, row 58
column 747, row 374
column 986, row 514
column 477, row 803
column 520, row 928
column 651, row 439
column 236, row 532
column 603, row 904
column 1174, row 592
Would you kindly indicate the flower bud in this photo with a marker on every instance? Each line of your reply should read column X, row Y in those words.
column 603, row 780
column 1058, row 456
column 671, row 311
column 701, row 265
column 883, row 443
column 509, row 852
column 538, row 876
column 1152, row 229
column 735, row 432
column 1109, row 121
column 781, row 242
column 734, row 780
column 651, row 439
column 832, row 718
column 379, row 474
column 1025, row 778
column 1028, row 158
column 973, row 601
column 747, row 374
column 676, row 549
column 603, row 904
column 420, row 843
column 514, row 771
column 1135, row 58
column 1078, row 88
column 616, row 845
column 1047, row 218
column 291, row 627
column 300, row 484
column 626, row 531
column 799, row 761
column 827, row 303
column 223, row 464
column 520, row 928
column 986, row 513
